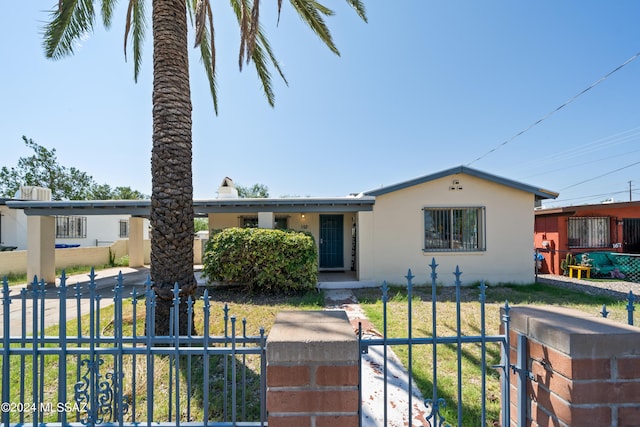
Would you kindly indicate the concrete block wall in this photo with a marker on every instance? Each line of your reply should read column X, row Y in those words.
column 312, row 370
column 586, row 369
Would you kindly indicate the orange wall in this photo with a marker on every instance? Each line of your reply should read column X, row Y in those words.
column 551, row 226
column 547, row 229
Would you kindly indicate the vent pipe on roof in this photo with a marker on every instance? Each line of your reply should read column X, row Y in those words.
column 227, row 189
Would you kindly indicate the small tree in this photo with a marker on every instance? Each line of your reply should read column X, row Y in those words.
column 256, row 191
column 42, row 170
column 200, row 224
column 66, row 183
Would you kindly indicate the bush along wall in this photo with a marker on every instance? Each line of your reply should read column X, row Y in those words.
column 262, row 259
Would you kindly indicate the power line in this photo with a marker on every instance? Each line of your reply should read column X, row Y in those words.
column 600, row 176
column 592, row 196
column 537, row 122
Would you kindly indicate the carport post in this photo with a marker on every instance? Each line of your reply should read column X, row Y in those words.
column 136, row 241
column 41, row 244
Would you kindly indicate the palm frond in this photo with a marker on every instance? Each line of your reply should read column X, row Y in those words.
column 208, row 55
column 261, row 47
column 107, row 11
column 253, row 28
column 264, row 75
column 200, row 21
column 267, row 47
column 359, row 8
column 279, row 10
column 70, row 23
column 243, row 20
column 191, row 7
column 311, row 12
column 135, row 19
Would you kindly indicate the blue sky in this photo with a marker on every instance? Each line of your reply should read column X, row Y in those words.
column 424, row 86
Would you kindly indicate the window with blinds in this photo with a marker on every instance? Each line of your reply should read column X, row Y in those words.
column 454, row 229
column 589, row 232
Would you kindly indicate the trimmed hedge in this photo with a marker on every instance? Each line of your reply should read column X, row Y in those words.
column 262, row 259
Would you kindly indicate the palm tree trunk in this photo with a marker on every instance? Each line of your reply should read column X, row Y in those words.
column 171, row 169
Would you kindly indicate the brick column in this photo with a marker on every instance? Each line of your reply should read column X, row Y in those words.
column 586, row 369
column 312, row 370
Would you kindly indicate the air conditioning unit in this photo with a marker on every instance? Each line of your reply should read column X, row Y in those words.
column 28, row 192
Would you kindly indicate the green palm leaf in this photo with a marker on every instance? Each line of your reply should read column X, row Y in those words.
column 71, row 22
column 311, row 12
column 136, row 19
column 107, row 12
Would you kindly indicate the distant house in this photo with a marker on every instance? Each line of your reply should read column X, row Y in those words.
column 70, row 230
column 459, row 216
column 612, row 227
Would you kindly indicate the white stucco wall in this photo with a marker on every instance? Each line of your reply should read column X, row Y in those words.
column 14, row 228
column 391, row 241
column 101, row 229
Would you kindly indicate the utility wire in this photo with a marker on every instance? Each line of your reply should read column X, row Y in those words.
column 592, row 196
column 537, row 122
column 600, row 176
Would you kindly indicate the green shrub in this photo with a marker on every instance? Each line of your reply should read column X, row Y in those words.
column 262, row 259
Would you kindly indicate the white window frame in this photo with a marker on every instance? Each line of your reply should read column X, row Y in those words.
column 445, row 231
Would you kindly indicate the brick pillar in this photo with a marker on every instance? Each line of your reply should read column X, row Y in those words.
column 312, row 370
column 586, row 369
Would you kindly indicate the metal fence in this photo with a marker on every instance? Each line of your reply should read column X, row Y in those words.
column 108, row 371
column 434, row 403
column 630, row 308
column 630, row 263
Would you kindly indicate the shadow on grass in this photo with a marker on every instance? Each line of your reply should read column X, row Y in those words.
column 219, row 389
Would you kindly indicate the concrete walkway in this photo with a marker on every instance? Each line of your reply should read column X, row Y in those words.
column 373, row 372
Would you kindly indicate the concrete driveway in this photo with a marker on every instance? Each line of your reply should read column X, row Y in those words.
column 21, row 311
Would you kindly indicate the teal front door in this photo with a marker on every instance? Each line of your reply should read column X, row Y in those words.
column 331, row 241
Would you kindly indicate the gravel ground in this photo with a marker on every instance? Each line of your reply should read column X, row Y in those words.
column 616, row 289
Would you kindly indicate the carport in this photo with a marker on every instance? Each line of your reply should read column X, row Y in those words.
column 41, row 215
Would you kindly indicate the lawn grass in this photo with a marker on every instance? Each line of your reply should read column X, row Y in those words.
column 447, row 376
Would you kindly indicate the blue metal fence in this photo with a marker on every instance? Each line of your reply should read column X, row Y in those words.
column 434, row 403
column 630, row 308
column 95, row 371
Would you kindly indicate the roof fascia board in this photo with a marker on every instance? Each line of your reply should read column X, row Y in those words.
column 143, row 207
column 538, row 192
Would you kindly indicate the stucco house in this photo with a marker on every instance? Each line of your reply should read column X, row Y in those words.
column 71, row 230
column 459, row 216
column 74, row 238
column 603, row 227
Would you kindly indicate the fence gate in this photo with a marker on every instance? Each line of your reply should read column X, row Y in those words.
column 473, row 369
column 108, row 371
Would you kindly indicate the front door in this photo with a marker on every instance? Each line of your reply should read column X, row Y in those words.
column 631, row 235
column 331, row 241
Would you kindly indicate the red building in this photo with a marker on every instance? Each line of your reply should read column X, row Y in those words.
column 612, row 227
